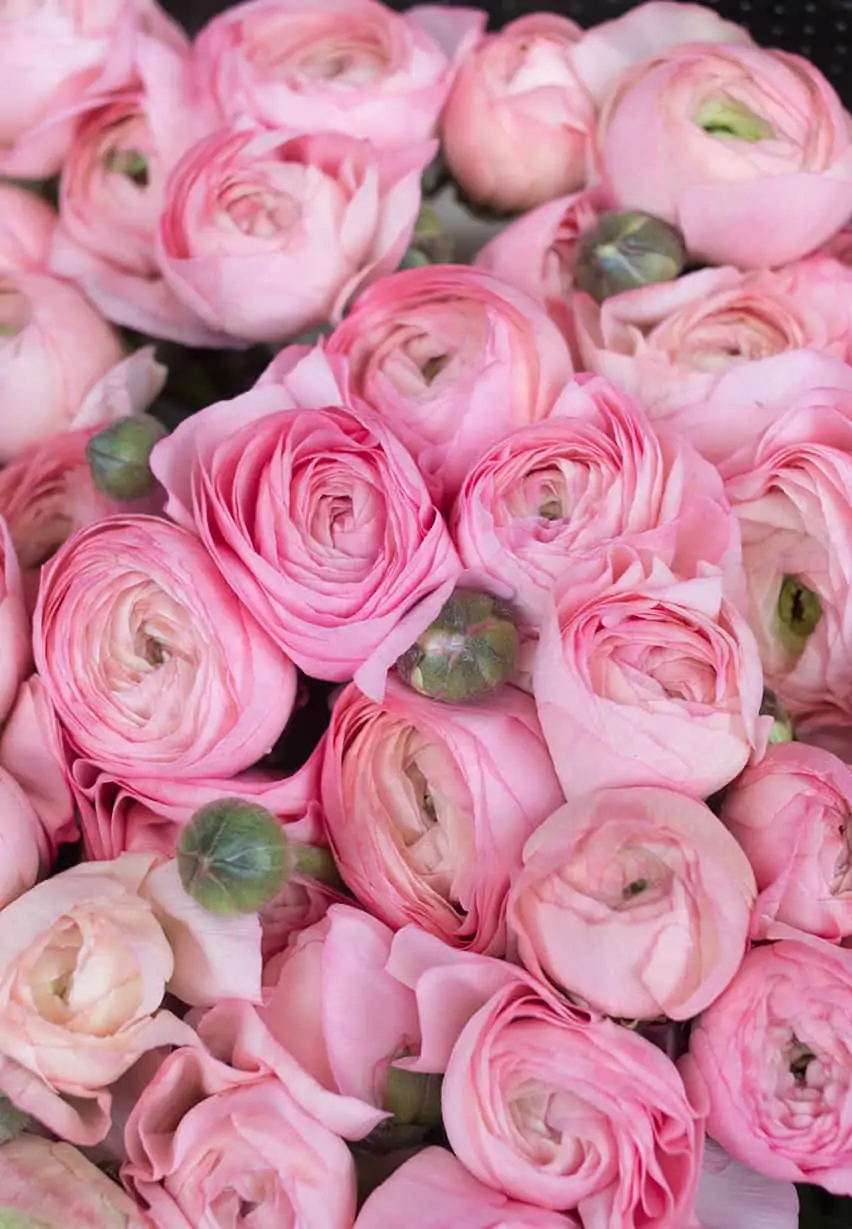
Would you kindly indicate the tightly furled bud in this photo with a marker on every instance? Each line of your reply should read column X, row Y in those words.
column 624, row 251
column 467, row 653
column 233, row 857
column 119, row 457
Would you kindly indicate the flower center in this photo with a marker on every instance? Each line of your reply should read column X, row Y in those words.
column 727, row 119
column 130, row 163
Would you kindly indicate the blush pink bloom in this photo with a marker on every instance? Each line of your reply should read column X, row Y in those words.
column 772, row 1057
column 206, row 1140
column 438, row 1193
column 644, row 679
column 153, row 666
column 248, row 211
column 517, row 124
column 634, row 900
column 453, row 359
column 790, row 492
column 87, row 957
column 671, row 345
column 331, row 1002
column 572, row 1115
column 54, row 348
column 536, row 252
column 24, row 849
column 791, row 815
column 15, row 640
column 314, row 512
column 610, row 48
column 428, row 807
column 731, row 1196
column 592, row 474
column 54, row 1186
column 350, row 66
column 712, row 138
column 49, row 59
column 26, row 230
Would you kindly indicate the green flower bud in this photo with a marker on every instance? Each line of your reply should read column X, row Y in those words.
column 725, row 117
column 233, row 857
column 625, row 251
column 782, row 725
column 119, row 456
column 467, row 653
column 798, row 612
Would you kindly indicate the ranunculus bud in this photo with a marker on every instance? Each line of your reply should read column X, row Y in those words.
column 782, row 723
column 48, row 1185
column 233, row 857
column 799, row 610
column 118, row 457
column 467, row 653
column 626, row 250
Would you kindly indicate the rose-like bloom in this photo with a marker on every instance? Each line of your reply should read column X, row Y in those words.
column 26, row 229
column 428, row 807
column 572, row 1115
column 453, row 359
column 154, row 667
column 49, row 58
column 210, row 1144
column 54, row 1186
column 247, row 212
column 644, row 679
column 636, row 900
column 437, row 1192
column 314, row 512
column 592, row 474
column 87, row 957
column 536, row 251
column 517, row 124
column 112, row 192
column 791, row 815
column 747, row 151
column 772, row 1056
column 350, row 66
column 54, row 348
column 671, row 344
column 341, row 960
column 790, row 492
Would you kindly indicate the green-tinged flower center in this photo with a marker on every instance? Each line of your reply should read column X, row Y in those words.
column 800, row 1058
column 636, row 888
column 724, row 117
column 130, row 163
column 799, row 611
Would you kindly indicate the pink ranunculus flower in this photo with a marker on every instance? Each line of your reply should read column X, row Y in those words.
column 54, row 348
column 314, row 512
column 212, row 1144
column 517, row 124
column 453, row 359
column 772, row 1057
column 671, row 345
column 247, row 212
column 24, row 849
column 26, row 230
column 536, row 252
column 636, row 901
column 152, row 664
column 54, row 1186
column 87, row 957
column 50, row 57
column 15, row 638
column 341, row 964
column 592, row 474
column 428, row 807
column 571, row 1115
column 351, row 66
column 644, row 679
column 790, row 492
column 112, row 191
column 713, row 138
column 438, row 1193
column 607, row 50
column 791, row 815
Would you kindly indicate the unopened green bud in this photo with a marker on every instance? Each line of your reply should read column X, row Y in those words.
column 782, row 724
column 727, row 118
column 119, row 457
column 625, row 251
column 798, row 612
column 233, row 857
column 467, row 653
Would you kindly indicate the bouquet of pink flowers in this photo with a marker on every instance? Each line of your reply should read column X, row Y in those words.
column 425, row 622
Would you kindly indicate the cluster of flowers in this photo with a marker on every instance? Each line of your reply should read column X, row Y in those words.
column 549, row 926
